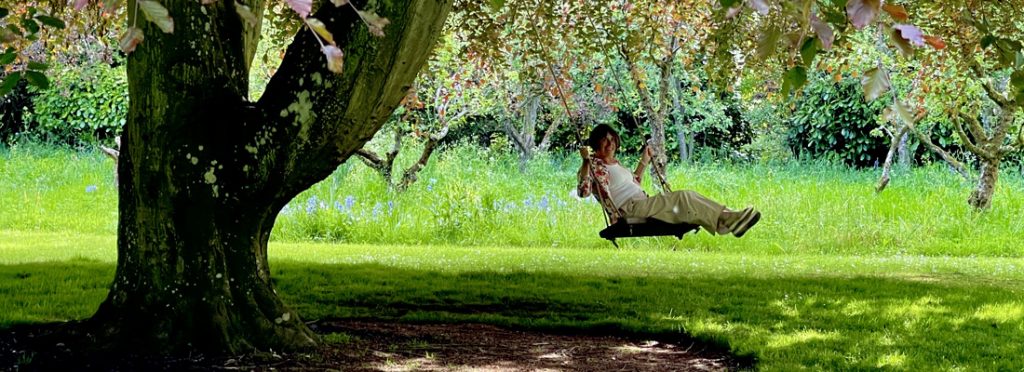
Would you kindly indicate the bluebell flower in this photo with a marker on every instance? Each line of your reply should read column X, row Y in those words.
column 311, row 204
column 510, row 206
column 91, row 188
column 527, row 202
column 376, row 209
column 543, row 203
column 391, row 206
column 338, row 206
column 350, row 201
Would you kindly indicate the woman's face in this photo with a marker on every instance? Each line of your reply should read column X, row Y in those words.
column 607, row 147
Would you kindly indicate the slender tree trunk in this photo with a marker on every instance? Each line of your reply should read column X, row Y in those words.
column 204, row 172
column 904, row 151
column 410, row 175
column 981, row 197
column 898, row 139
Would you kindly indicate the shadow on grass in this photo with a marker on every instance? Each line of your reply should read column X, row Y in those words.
column 819, row 322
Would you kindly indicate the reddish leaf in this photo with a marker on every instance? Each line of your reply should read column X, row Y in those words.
column 862, row 12
column 935, row 42
column 79, row 4
column 760, row 6
column 374, row 22
column 157, row 14
column 335, row 58
column 824, row 32
column 896, row 11
column 732, row 12
column 910, row 33
column 131, row 38
column 303, row 7
column 111, row 6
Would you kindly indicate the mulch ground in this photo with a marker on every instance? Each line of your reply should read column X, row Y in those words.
column 385, row 346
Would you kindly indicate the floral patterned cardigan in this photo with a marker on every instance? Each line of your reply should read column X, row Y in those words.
column 598, row 177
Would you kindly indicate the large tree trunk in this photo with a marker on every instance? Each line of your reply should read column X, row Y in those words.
column 204, row 173
column 981, row 197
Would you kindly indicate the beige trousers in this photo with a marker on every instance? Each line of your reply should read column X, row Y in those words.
column 677, row 207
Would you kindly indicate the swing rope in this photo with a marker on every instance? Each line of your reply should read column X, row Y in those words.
column 576, row 123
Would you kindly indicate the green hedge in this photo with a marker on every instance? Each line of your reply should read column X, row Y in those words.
column 832, row 120
column 84, row 105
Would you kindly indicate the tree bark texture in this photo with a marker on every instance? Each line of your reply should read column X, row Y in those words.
column 203, row 172
column 981, row 197
column 898, row 141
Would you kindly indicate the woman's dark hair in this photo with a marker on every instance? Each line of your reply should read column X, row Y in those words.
column 599, row 133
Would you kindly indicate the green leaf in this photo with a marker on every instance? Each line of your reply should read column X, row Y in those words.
column 30, row 25
column 987, row 40
column 1020, row 60
column 793, row 79
column 768, row 42
column 876, row 83
column 1017, row 84
column 809, row 50
column 497, row 4
column 727, row 3
column 38, row 79
column 38, row 66
column 9, row 83
column 7, row 58
column 50, row 21
column 4, row 12
column 903, row 112
column 157, row 14
column 246, row 14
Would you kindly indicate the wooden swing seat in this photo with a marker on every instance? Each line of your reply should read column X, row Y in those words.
column 639, row 227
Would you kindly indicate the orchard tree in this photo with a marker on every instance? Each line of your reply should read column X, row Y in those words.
column 451, row 87
column 204, row 171
column 978, row 83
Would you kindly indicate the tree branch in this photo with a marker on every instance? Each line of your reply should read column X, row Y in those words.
column 369, row 158
column 956, row 164
column 975, row 128
column 986, row 83
column 545, row 141
column 409, row 177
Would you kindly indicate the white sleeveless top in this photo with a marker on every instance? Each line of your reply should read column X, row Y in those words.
column 621, row 186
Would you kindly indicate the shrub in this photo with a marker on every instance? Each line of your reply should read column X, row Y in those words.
column 84, row 105
column 832, row 120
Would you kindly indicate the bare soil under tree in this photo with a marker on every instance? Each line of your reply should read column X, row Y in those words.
column 388, row 346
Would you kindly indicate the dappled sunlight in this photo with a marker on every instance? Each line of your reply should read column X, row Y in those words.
column 892, row 360
column 783, row 340
column 921, row 308
column 1001, row 313
column 857, row 308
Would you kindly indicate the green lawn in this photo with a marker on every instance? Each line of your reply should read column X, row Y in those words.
column 798, row 311
column 835, row 277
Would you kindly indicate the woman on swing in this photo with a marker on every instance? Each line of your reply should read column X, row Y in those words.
column 629, row 200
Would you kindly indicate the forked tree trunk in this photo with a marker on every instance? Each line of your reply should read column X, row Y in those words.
column 981, row 197
column 204, row 173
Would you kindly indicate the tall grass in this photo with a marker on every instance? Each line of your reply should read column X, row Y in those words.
column 474, row 196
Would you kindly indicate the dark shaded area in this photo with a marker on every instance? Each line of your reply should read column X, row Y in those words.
column 373, row 313
column 367, row 345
